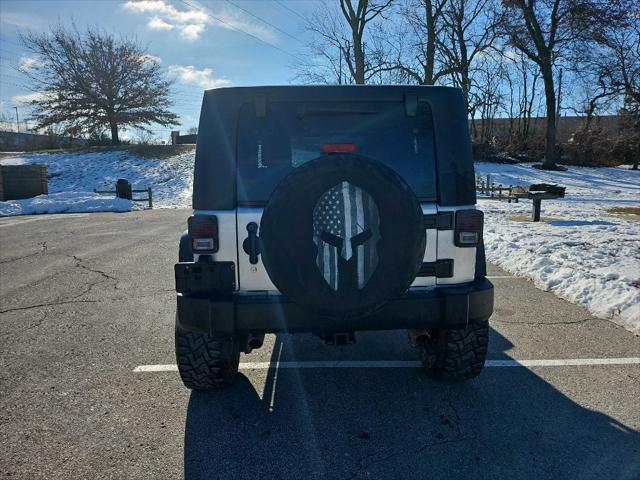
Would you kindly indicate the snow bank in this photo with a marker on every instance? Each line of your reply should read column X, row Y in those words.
column 66, row 202
column 170, row 178
column 584, row 254
column 616, row 184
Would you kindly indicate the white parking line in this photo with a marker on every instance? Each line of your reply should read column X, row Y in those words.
column 561, row 362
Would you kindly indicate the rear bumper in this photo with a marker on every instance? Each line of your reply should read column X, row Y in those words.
column 442, row 307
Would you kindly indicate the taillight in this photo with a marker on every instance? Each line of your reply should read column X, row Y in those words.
column 339, row 148
column 468, row 232
column 203, row 232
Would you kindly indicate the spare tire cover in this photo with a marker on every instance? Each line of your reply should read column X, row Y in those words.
column 341, row 235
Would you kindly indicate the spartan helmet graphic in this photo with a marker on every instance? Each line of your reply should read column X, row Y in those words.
column 346, row 228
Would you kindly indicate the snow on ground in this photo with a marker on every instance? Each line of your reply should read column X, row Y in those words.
column 583, row 252
column 64, row 202
column 171, row 178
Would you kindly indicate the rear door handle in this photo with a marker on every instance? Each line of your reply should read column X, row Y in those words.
column 251, row 244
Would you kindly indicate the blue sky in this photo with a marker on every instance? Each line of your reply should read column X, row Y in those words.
column 202, row 44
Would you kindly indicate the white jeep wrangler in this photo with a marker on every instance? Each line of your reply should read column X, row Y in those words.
column 332, row 210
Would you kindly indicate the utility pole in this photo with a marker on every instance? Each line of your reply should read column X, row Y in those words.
column 17, row 119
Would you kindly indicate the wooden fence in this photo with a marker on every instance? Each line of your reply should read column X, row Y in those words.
column 23, row 181
column 485, row 186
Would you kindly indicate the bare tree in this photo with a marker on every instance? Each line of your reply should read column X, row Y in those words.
column 623, row 73
column 469, row 32
column 343, row 48
column 91, row 81
column 545, row 31
column 424, row 22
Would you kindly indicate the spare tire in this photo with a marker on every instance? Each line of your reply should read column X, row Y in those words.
column 342, row 235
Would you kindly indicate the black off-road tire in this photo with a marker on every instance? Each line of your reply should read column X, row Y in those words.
column 456, row 354
column 206, row 362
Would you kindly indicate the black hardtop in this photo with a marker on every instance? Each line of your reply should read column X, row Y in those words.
column 214, row 183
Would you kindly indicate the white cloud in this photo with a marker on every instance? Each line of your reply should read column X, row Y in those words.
column 30, row 97
column 156, row 23
column 192, row 31
column 235, row 20
column 161, row 7
column 148, row 58
column 192, row 22
column 26, row 63
column 203, row 78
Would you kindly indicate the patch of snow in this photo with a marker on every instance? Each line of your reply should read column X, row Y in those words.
column 584, row 254
column 171, row 179
column 65, row 202
column 583, row 183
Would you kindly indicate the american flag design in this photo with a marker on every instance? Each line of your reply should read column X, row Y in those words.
column 346, row 230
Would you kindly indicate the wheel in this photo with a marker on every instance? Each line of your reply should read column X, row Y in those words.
column 456, row 354
column 206, row 362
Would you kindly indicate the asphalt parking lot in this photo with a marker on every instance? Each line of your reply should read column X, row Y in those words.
column 85, row 299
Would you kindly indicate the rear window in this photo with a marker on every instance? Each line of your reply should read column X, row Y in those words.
column 291, row 134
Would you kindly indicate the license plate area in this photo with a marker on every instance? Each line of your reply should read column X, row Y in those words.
column 205, row 277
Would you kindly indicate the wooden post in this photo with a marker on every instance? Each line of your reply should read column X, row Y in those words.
column 535, row 214
column 44, row 186
column 150, row 198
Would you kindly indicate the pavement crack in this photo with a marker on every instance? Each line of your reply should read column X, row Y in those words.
column 49, row 304
column 79, row 264
column 36, row 324
column 42, row 251
column 456, row 416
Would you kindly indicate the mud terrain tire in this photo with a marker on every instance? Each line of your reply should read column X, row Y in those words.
column 206, row 362
column 456, row 354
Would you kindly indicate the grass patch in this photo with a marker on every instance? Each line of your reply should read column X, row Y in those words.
column 4, row 155
column 625, row 210
column 629, row 213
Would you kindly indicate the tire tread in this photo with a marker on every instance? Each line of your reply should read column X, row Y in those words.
column 456, row 354
column 206, row 362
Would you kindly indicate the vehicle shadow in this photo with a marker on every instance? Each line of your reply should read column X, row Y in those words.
column 396, row 423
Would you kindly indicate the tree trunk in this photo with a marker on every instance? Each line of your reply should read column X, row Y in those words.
column 431, row 43
column 550, row 137
column 358, row 54
column 114, row 133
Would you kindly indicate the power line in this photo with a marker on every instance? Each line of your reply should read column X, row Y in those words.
column 232, row 27
column 290, row 9
column 264, row 21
